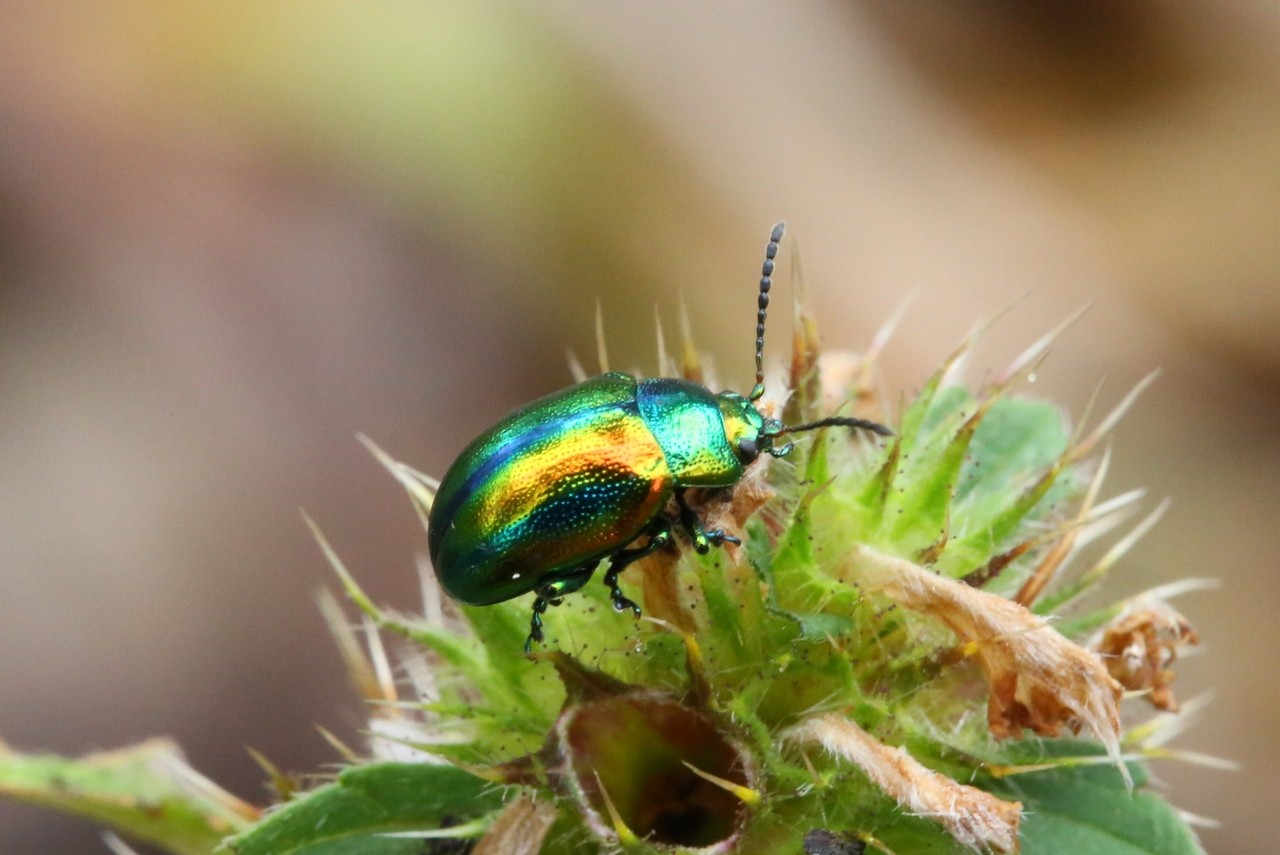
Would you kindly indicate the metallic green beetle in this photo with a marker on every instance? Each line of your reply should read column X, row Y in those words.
column 586, row 474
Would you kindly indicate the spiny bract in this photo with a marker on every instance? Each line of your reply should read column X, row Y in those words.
column 872, row 668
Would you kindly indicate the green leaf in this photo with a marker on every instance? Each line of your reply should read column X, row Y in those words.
column 147, row 792
column 943, row 413
column 1018, row 437
column 1011, row 474
column 1087, row 809
column 917, row 509
column 352, row 815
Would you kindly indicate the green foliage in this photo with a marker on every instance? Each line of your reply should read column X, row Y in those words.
column 1086, row 808
column 853, row 667
column 147, row 792
column 355, row 814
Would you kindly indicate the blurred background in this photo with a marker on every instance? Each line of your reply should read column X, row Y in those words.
column 232, row 235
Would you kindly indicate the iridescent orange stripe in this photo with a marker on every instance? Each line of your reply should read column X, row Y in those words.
column 616, row 447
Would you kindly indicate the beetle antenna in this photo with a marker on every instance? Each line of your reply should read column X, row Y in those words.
column 838, row 421
column 766, row 282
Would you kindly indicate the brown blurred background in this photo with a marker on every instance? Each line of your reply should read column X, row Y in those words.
column 232, row 235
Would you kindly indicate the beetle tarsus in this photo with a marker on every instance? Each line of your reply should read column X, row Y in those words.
column 620, row 601
column 691, row 524
column 702, row 539
column 719, row 538
column 552, row 594
column 535, row 624
column 659, row 537
column 544, row 599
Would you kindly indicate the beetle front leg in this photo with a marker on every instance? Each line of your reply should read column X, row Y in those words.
column 659, row 537
column 702, row 539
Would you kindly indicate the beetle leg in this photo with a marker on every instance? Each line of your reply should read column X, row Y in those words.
column 716, row 537
column 535, row 623
column 702, row 539
column 658, row 538
column 552, row 594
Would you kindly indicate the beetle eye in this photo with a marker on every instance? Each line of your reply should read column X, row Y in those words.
column 748, row 450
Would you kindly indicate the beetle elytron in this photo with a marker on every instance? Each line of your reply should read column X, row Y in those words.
column 586, row 474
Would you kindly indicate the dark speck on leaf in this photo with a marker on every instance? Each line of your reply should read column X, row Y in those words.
column 823, row 842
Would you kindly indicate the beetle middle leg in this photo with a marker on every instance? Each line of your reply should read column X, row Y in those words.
column 552, row 594
column 702, row 539
column 659, row 536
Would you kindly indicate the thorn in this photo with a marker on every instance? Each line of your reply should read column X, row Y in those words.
column 1195, row 820
column 1122, row 546
column 421, row 487
column 602, row 352
column 693, row 658
column 745, row 794
column 626, row 836
column 1110, row 420
column 1044, row 572
column 359, row 670
column 354, row 592
column 284, row 785
column 432, row 599
column 1176, row 589
column 1086, row 414
column 116, row 845
column 347, row 752
column 1027, row 361
column 889, row 327
column 953, row 365
column 381, row 665
column 665, row 368
column 575, row 367
column 691, row 364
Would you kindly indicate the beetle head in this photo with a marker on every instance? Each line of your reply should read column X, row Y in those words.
column 750, row 434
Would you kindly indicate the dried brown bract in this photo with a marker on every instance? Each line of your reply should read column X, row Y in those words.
column 1140, row 646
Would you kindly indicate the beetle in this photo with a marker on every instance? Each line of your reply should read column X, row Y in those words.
column 588, row 474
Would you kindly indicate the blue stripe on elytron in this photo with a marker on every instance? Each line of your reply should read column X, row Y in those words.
column 514, row 446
